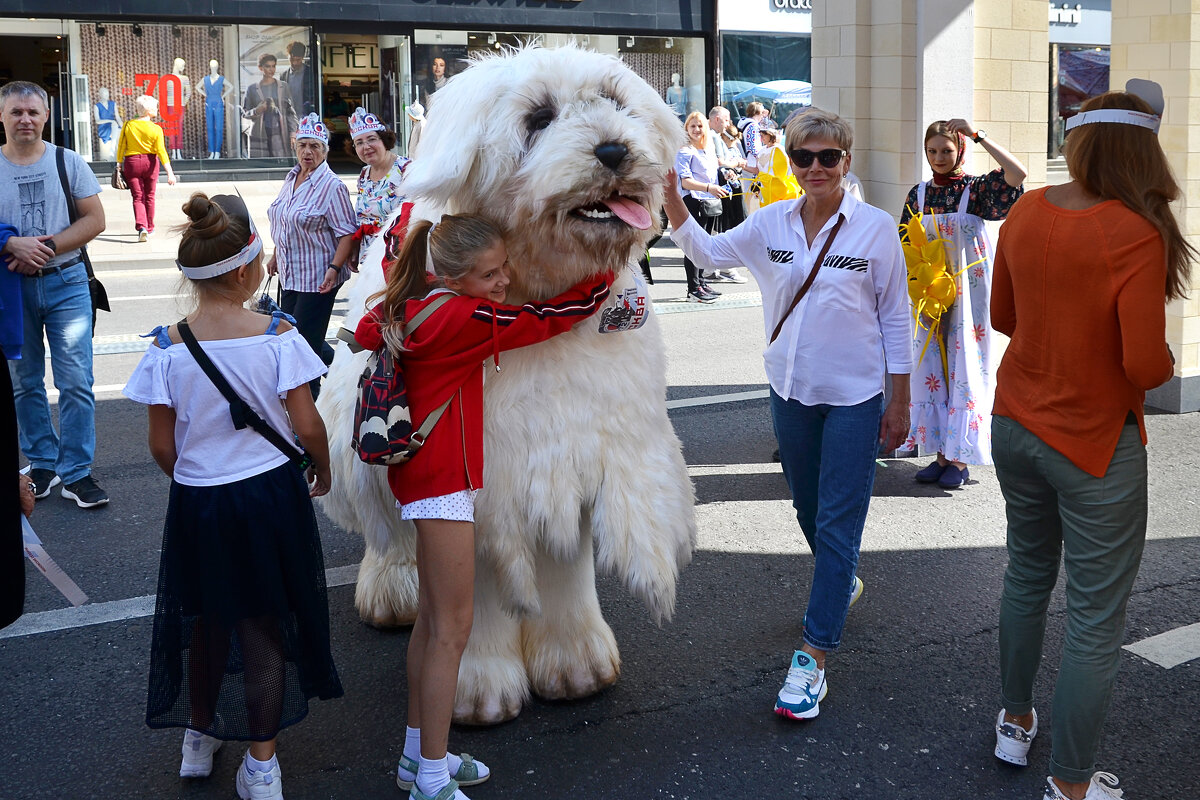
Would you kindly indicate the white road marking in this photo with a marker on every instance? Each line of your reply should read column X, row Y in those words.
column 130, row 297
column 119, row 610
column 1170, row 649
column 714, row 399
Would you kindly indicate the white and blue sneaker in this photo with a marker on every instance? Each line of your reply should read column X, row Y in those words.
column 804, row 689
column 198, row 752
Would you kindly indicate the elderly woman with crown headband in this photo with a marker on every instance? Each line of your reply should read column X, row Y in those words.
column 312, row 225
column 951, row 386
column 379, row 182
column 1083, row 272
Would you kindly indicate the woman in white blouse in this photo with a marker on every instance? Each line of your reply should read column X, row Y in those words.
column 827, row 354
column 699, row 184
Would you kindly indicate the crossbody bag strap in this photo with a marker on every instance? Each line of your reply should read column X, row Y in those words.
column 60, row 160
column 239, row 410
column 811, row 276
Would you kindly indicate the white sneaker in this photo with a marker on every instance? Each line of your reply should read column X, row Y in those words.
column 198, row 752
column 1013, row 741
column 804, row 689
column 733, row 276
column 1103, row 786
column 259, row 785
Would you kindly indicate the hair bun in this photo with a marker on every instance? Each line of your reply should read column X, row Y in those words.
column 208, row 220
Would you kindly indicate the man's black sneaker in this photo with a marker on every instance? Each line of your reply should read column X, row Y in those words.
column 85, row 492
column 43, row 480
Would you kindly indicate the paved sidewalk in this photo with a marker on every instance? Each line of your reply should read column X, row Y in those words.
column 119, row 241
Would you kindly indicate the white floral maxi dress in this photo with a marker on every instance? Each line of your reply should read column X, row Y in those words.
column 951, row 406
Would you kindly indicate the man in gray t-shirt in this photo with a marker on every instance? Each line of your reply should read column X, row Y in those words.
column 55, row 294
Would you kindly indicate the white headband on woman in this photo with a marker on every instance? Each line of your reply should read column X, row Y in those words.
column 1149, row 91
column 429, row 249
column 239, row 259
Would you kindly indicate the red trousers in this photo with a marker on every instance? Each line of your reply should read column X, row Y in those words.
column 141, row 174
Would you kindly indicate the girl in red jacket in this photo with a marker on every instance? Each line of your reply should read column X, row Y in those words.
column 465, row 257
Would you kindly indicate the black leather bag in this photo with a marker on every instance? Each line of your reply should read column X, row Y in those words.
column 710, row 206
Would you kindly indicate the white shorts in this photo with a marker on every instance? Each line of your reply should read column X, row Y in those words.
column 459, row 507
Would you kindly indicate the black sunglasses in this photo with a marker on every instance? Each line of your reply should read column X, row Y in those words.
column 804, row 158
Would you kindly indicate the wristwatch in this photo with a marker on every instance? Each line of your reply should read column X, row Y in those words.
column 51, row 244
column 979, row 136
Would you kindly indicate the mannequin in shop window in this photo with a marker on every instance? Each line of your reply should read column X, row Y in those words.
column 269, row 109
column 108, row 124
column 215, row 90
column 175, row 108
column 299, row 79
column 677, row 96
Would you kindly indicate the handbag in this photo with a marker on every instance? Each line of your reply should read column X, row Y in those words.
column 383, row 430
column 118, row 177
column 266, row 304
column 808, row 282
column 95, row 287
column 710, row 206
column 239, row 410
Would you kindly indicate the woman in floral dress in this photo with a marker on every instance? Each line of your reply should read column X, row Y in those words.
column 952, row 384
column 379, row 182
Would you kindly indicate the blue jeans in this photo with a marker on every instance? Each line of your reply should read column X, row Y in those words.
column 61, row 305
column 828, row 456
column 214, row 123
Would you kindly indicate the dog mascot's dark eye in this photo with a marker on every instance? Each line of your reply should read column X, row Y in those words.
column 540, row 120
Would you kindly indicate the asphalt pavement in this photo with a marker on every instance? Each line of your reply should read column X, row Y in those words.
column 913, row 692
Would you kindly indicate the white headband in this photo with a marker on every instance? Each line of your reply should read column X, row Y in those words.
column 1149, row 91
column 429, row 249
column 239, row 259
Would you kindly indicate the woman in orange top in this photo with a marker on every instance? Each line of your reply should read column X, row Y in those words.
column 1081, row 274
column 139, row 152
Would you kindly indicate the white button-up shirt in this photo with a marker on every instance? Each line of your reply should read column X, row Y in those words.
column 853, row 324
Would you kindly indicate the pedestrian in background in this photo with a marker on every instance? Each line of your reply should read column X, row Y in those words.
column 696, row 165
column 952, row 384
column 140, row 152
column 378, row 183
column 56, row 300
column 1082, row 272
column 825, row 362
column 730, row 163
column 241, row 623
column 312, row 225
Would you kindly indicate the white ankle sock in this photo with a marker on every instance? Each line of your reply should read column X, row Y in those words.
column 254, row 765
column 432, row 775
column 412, row 743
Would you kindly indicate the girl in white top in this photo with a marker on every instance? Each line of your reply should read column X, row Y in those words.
column 241, row 627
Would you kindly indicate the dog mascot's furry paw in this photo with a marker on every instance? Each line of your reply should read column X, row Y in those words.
column 565, row 150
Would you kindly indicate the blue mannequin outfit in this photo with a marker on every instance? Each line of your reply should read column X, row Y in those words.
column 214, row 112
column 107, row 112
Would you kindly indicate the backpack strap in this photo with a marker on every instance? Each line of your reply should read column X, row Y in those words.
column 241, row 411
column 346, row 335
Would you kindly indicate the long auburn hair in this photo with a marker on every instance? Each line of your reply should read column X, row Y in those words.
column 1127, row 163
column 455, row 243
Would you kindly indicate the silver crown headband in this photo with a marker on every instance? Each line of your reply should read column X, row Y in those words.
column 1149, row 91
column 245, row 256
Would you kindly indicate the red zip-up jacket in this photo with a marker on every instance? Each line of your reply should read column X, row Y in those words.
column 445, row 357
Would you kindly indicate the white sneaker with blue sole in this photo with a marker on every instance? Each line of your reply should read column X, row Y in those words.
column 804, row 689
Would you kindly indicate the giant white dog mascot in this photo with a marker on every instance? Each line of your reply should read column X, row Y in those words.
column 565, row 150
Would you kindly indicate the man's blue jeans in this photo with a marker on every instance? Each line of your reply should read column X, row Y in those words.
column 828, row 456
column 60, row 305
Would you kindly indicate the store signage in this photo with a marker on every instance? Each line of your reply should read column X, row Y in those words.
column 168, row 90
column 791, row 5
column 350, row 58
column 1066, row 14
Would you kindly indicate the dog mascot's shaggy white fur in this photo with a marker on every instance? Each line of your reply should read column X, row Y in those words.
column 555, row 146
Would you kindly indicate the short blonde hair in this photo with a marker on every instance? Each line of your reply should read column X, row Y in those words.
column 819, row 124
column 147, row 104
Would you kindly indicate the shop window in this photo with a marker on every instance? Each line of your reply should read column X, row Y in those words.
column 277, row 87
column 1082, row 73
column 751, row 60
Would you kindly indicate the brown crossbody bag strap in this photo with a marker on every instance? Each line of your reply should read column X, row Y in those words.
column 811, row 276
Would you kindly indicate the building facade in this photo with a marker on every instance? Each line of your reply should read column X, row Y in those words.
column 219, row 69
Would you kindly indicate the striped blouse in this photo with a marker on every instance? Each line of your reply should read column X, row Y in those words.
column 306, row 224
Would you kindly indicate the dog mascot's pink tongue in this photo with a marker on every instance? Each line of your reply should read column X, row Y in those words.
column 583, row 470
column 631, row 213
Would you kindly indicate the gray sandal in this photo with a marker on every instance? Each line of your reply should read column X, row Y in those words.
column 468, row 774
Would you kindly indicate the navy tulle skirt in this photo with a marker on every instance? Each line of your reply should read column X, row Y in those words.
column 241, row 626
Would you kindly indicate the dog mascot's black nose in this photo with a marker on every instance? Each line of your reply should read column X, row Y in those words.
column 611, row 154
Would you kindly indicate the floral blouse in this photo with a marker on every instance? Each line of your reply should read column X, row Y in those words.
column 991, row 197
column 377, row 200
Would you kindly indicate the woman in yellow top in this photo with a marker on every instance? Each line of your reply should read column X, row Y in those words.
column 139, row 152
